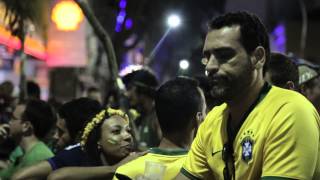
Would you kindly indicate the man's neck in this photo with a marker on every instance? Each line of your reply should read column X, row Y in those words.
column 240, row 105
column 176, row 142
column 148, row 106
column 28, row 142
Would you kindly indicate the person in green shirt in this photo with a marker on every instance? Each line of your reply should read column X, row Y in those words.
column 29, row 124
column 141, row 87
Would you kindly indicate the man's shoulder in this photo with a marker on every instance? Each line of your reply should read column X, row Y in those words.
column 166, row 157
column 138, row 161
column 70, row 151
column 72, row 157
column 40, row 151
column 288, row 107
column 215, row 116
column 280, row 100
column 284, row 95
column 134, row 167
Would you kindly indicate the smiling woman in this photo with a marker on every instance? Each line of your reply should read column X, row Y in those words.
column 107, row 138
column 105, row 145
column 107, row 141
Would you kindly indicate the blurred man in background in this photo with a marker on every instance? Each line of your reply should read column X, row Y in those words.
column 33, row 90
column 30, row 123
column 94, row 93
column 282, row 72
column 72, row 117
column 141, row 87
column 309, row 81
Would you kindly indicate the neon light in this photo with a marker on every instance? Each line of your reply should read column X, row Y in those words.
column 279, row 38
column 33, row 47
column 121, row 17
column 122, row 4
column 129, row 23
column 118, row 28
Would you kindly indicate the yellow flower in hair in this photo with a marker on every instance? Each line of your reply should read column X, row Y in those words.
column 89, row 127
column 112, row 112
column 96, row 120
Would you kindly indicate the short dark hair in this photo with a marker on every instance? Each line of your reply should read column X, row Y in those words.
column 41, row 115
column 33, row 90
column 282, row 69
column 144, row 80
column 177, row 103
column 252, row 31
column 92, row 89
column 6, row 88
column 77, row 112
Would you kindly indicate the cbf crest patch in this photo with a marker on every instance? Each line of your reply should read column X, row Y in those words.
column 247, row 146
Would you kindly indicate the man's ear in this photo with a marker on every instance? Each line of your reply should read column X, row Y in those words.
column 27, row 128
column 259, row 57
column 199, row 117
column 290, row 85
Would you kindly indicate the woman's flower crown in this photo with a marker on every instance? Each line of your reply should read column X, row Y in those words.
column 96, row 120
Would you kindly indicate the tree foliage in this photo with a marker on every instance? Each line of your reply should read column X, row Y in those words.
column 21, row 12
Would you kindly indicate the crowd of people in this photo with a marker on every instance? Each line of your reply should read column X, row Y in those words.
column 253, row 115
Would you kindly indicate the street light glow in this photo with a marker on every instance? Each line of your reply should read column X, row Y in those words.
column 184, row 64
column 174, row 21
column 67, row 16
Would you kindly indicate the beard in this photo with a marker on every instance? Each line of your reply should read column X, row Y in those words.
column 227, row 87
column 220, row 87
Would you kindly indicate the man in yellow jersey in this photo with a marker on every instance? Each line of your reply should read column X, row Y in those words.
column 180, row 107
column 261, row 131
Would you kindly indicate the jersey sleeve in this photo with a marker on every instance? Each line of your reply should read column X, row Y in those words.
column 131, row 169
column 57, row 161
column 66, row 158
column 195, row 166
column 292, row 142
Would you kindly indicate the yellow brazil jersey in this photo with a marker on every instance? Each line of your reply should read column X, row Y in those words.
column 279, row 137
column 172, row 159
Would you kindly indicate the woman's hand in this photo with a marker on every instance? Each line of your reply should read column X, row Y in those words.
column 130, row 157
column 4, row 132
column 141, row 177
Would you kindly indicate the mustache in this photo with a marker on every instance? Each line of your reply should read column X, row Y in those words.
column 215, row 78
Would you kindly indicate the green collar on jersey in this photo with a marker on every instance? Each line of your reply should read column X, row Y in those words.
column 170, row 152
